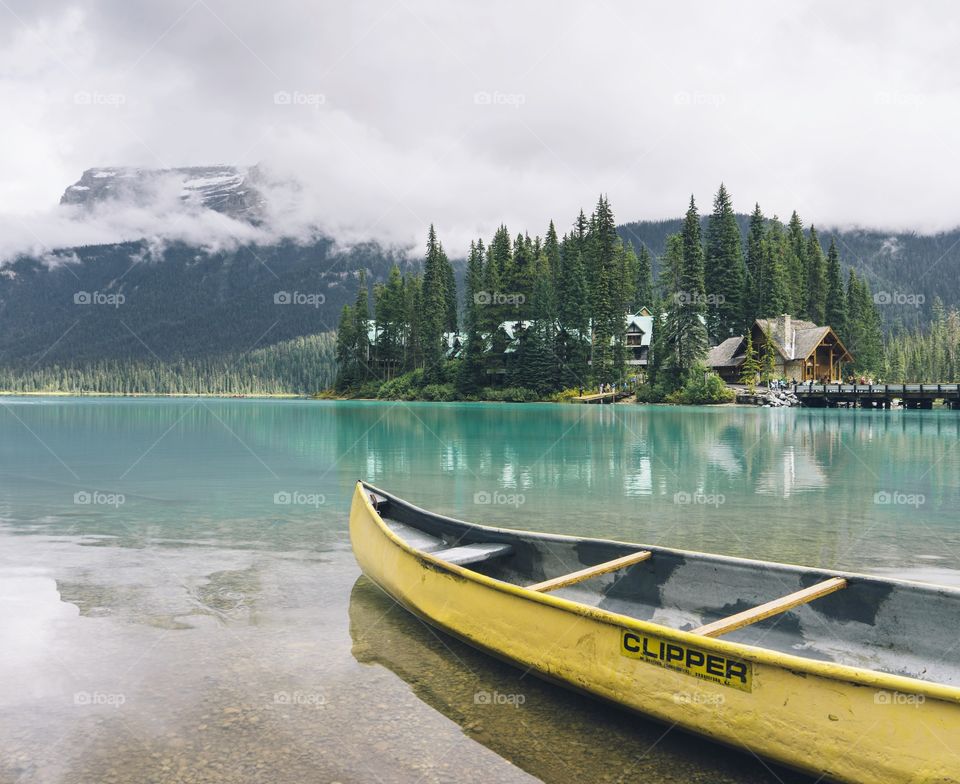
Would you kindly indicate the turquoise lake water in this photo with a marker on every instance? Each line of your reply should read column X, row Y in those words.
column 178, row 600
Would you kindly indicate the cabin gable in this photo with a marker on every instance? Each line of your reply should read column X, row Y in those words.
column 803, row 351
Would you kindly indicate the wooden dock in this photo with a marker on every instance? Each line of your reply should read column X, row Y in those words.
column 877, row 395
column 603, row 397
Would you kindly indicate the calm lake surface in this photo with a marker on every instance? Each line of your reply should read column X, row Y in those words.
column 178, row 599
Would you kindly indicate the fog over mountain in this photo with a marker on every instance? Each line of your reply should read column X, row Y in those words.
column 212, row 208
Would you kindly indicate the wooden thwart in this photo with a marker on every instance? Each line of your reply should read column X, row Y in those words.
column 777, row 606
column 592, row 571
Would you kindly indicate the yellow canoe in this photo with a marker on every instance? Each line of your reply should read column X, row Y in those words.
column 848, row 677
column 552, row 736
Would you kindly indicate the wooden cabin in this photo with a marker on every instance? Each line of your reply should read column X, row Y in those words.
column 638, row 333
column 453, row 343
column 637, row 337
column 803, row 351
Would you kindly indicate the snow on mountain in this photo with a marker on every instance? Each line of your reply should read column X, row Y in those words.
column 230, row 190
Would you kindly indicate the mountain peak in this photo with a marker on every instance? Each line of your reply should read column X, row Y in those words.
column 230, row 190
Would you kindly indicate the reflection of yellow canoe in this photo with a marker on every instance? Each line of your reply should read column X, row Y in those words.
column 516, row 717
column 845, row 676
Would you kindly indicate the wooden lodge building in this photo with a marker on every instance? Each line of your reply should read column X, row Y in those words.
column 637, row 339
column 504, row 343
column 804, row 351
column 638, row 333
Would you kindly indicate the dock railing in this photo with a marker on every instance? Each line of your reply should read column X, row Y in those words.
column 910, row 395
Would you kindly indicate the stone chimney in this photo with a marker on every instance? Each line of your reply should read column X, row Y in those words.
column 784, row 333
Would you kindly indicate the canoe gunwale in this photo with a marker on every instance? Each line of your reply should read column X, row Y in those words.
column 840, row 672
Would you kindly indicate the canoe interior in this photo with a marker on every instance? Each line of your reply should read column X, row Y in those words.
column 890, row 626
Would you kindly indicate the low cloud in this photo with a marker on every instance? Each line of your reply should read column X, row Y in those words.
column 372, row 120
column 42, row 235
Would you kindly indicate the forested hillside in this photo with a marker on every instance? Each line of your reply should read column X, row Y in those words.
column 304, row 365
column 139, row 316
column 913, row 269
column 130, row 318
column 122, row 301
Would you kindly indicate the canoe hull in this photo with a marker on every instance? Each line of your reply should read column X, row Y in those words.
column 801, row 713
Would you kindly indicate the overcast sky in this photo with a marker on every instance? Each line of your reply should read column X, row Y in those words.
column 391, row 115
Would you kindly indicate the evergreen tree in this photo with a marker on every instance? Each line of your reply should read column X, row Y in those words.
column 754, row 283
column 542, row 358
column 724, row 272
column 435, row 308
column 391, row 320
column 691, row 278
column 606, row 302
column 542, row 364
column 768, row 367
column 551, row 248
column 816, row 291
column 413, row 290
column 751, row 365
column 519, row 279
column 531, row 366
column 489, row 313
column 872, row 351
column 671, row 269
column 346, row 344
column 836, row 307
column 621, row 296
column 450, row 293
column 643, row 288
column 501, row 250
column 361, row 315
column 487, row 316
column 774, row 296
column 631, row 270
column 659, row 366
column 896, row 362
column 472, row 372
column 796, row 267
column 573, row 314
column 852, row 311
column 497, row 275
column 684, row 334
column 864, row 338
column 577, row 242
